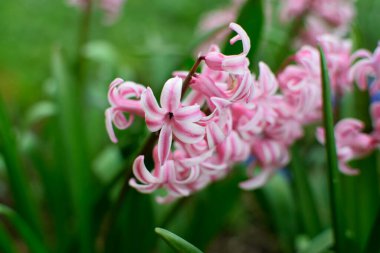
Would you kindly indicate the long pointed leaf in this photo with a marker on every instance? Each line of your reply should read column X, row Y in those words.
column 332, row 159
column 17, row 175
column 176, row 242
column 74, row 146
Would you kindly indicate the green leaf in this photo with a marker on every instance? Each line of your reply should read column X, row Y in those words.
column 278, row 200
column 31, row 239
column 332, row 159
column 305, row 199
column 6, row 244
column 176, row 242
column 132, row 230
column 251, row 18
column 373, row 244
column 18, row 179
column 321, row 243
column 74, row 150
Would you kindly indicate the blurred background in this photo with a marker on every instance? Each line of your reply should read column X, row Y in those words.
column 65, row 162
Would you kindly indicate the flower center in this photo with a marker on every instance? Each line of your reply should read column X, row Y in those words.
column 171, row 115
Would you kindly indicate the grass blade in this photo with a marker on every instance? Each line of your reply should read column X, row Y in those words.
column 176, row 242
column 303, row 194
column 332, row 159
column 373, row 244
column 26, row 232
column 75, row 151
column 18, row 181
column 321, row 243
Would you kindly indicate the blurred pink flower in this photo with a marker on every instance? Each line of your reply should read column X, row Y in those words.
column 351, row 143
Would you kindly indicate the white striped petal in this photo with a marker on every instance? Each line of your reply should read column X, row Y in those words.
column 164, row 143
column 188, row 132
column 141, row 172
column 171, row 94
column 189, row 113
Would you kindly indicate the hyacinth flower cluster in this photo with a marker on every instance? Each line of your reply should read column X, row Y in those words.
column 224, row 115
column 319, row 16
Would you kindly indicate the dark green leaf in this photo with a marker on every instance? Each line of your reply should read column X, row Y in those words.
column 75, row 149
column 18, row 178
column 31, row 239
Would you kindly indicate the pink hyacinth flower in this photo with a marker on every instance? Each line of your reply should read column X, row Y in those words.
column 124, row 98
column 171, row 118
column 351, row 143
column 112, row 8
column 234, row 64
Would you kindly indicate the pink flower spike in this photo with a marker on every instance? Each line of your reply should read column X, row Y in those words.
column 234, row 64
column 172, row 118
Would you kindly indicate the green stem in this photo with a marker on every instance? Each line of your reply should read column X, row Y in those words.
column 332, row 160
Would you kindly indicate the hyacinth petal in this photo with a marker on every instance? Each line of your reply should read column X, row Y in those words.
column 214, row 135
column 257, row 181
column 242, row 35
column 141, row 172
column 164, row 143
column 188, row 132
column 189, row 113
column 196, row 160
column 244, row 87
column 267, row 79
column 171, row 94
column 235, row 64
column 148, row 188
column 109, row 127
column 345, row 169
column 150, row 105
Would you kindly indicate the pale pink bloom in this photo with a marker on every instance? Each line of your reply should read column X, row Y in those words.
column 112, row 9
column 293, row 8
column 124, row 98
column 336, row 12
column 171, row 118
column 234, row 64
column 351, row 143
column 170, row 176
column 338, row 55
column 367, row 66
column 261, row 110
column 301, row 85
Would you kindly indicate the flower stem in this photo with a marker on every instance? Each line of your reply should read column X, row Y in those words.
column 83, row 37
column 187, row 80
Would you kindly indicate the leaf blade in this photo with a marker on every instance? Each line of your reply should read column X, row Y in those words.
column 176, row 242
